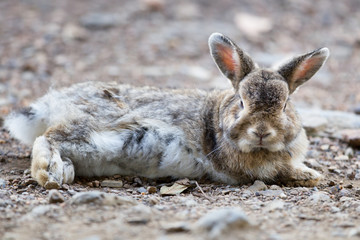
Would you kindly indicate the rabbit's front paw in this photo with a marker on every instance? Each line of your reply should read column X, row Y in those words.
column 47, row 167
column 303, row 176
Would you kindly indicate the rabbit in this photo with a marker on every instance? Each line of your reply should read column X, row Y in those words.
column 233, row 136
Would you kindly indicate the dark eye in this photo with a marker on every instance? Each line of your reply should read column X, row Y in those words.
column 241, row 104
column 285, row 107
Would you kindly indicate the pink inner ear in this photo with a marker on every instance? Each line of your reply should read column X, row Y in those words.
column 226, row 55
column 306, row 68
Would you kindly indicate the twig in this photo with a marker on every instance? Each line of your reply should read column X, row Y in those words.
column 204, row 194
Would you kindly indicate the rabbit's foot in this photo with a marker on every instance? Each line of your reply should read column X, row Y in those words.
column 47, row 167
column 302, row 176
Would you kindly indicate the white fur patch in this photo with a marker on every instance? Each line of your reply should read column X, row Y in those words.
column 24, row 129
column 107, row 141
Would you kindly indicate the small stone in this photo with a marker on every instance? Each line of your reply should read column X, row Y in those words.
column 272, row 193
column 151, row 190
column 55, row 196
column 96, row 183
column 153, row 201
column 325, row 147
column 100, row 20
column 334, row 209
column 351, row 136
column 139, row 214
column 73, row 32
column 275, row 205
column 275, row 187
column 318, row 197
column 334, row 169
column 112, row 183
column 344, row 192
column 341, row 158
column 312, row 154
column 100, row 198
column 314, row 124
column 258, row 186
column 219, row 221
column 176, row 227
column 141, row 190
column 2, row 183
column 331, row 183
column 335, row 189
column 349, row 152
column 138, row 181
column 247, row 193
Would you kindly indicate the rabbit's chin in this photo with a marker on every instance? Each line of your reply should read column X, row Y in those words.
column 249, row 146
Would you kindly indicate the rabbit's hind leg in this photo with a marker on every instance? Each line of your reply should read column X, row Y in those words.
column 47, row 166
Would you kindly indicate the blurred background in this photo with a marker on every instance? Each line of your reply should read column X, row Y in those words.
column 163, row 43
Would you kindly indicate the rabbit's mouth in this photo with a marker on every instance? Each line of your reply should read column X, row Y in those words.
column 250, row 146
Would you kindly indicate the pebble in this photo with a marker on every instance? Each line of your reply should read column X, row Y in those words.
column 112, row 183
column 275, row 187
column 153, row 201
column 325, row 147
column 257, row 186
column 349, row 152
column 55, row 196
column 151, row 189
column 139, row 214
column 342, row 158
column 272, row 193
column 319, row 120
column 275, row 205
column 100, row 198
column 73, row 32
column 99, row 20
column 312, row 154
column 219, row 221
column 176, row 227
column 318, row 197
column 141, row 190
column 344, row 192
column 351, row 136
column 2, row 183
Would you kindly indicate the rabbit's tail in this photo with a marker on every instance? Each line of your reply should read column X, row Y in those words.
column 27, row 124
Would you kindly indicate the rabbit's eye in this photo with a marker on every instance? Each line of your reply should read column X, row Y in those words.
column 241, row 104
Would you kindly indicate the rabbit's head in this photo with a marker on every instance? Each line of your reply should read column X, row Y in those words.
column 259, row 115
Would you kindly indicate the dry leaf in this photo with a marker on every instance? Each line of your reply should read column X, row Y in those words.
column 178, row 187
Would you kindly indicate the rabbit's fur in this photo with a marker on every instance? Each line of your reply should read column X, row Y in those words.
column 233, row 136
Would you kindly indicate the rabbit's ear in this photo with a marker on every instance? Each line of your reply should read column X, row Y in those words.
column 302, row 68
column 229, row 58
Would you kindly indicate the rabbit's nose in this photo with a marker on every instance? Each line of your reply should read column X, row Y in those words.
column 261, row 135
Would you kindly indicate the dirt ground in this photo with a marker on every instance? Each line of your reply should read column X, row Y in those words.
column 46, row 44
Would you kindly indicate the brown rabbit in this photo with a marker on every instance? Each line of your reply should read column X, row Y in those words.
column 235, row 136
